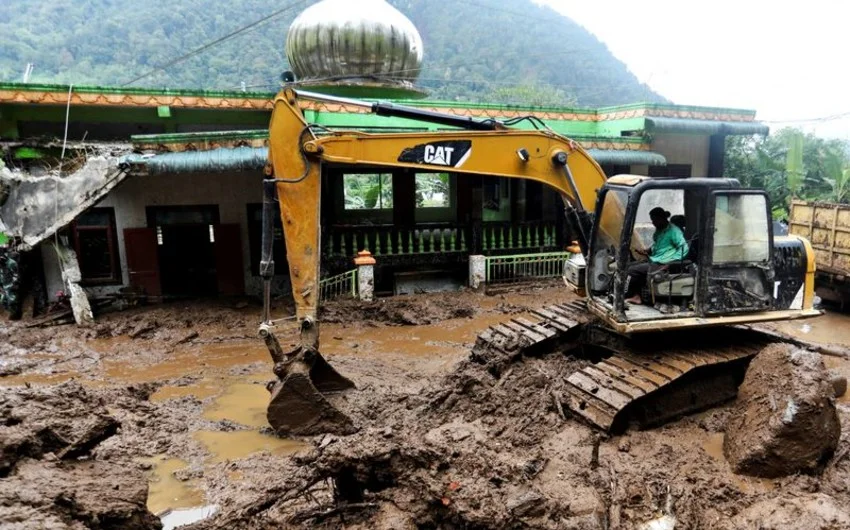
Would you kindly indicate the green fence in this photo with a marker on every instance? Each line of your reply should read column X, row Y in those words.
column 391, row 241
column 525, row 236
column 338, row 286
column 523, row 267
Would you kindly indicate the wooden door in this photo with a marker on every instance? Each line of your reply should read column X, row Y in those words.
column 142, row 259
column 230, row 272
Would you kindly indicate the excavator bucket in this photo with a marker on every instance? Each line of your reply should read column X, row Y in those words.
column 299, row 405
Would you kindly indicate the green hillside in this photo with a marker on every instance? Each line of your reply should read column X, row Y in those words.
column 488, row 50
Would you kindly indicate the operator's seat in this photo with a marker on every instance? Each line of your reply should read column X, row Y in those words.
column 676, row 283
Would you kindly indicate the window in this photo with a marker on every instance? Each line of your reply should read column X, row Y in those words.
column 433, row 190
column 96, row 245
column 368, row 191
column 672, row 201
column 740, row 229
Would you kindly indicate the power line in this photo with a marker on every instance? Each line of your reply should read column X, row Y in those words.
column 831, row 117
column 217, row 41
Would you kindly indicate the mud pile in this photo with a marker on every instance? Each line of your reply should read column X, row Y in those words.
column 47, row 437
column 399, row 310
column 785, row 420
column 462, row 453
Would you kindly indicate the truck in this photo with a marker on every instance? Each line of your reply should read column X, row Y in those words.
column 827, row 226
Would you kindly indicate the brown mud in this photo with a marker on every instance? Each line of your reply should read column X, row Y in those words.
column 442, row 443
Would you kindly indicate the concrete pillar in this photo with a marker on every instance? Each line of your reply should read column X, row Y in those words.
column 365, row 275
column 716, row 155
column 72, row 276
column 477, row 271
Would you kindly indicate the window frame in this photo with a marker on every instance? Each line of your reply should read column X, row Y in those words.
column 115, row 277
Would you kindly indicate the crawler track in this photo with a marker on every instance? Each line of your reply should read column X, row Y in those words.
column 645, row 380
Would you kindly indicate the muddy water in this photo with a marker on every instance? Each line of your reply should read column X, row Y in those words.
column 829, row 328
column 234, row 445
column 713, row 446
column 165, row 491
column 201, row 360
column 243, row 403
column 204, row 389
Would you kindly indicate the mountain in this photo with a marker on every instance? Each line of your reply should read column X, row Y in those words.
column 486, row 50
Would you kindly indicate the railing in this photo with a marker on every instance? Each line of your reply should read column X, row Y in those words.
column 523, row 267
column 509, row 236
column 344, row 284
column 345, row 241
column 390, row 241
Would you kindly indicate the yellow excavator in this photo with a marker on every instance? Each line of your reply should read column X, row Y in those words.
column 648, row 362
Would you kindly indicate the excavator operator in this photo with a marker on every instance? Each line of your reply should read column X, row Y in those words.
column 669, row 246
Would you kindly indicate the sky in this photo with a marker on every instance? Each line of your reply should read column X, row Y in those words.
column 788, row 61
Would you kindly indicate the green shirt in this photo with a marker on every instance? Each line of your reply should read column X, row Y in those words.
column 669, row 245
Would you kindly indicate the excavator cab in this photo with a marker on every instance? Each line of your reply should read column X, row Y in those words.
column 733, row 269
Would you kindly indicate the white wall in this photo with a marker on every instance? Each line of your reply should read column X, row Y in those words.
column 231, row 192
column 684, row 149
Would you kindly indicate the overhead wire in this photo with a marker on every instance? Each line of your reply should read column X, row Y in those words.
column 232, row 34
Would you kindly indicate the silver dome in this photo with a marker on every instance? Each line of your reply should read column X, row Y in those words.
column 354, row 40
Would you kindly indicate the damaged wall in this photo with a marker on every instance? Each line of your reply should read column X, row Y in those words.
column 37, row 206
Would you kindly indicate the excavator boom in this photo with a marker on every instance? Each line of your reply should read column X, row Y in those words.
column 297, row 152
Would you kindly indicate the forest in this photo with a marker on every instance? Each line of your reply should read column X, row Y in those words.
column 478, row 50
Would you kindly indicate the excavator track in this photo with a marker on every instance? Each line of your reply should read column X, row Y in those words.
column 643, row 380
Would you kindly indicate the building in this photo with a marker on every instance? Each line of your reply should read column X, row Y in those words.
column 196, row 233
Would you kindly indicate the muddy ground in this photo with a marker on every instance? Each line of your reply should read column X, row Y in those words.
column 174, row 395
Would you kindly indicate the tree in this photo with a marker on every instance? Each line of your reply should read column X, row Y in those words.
column 535, row 95
column 790, row 164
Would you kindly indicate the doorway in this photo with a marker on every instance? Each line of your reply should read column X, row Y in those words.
column 185, row 237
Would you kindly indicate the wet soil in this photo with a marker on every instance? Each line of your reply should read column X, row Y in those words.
column 442, row 442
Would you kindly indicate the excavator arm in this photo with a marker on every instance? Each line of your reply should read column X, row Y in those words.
column 297, row 151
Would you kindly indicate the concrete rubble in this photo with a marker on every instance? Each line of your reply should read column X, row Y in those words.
column 34, row 207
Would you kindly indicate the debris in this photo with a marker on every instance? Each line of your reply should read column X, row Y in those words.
column 839, row 383
column 665, row 522
column 785, row 420
column 143, row 328
column 527, row 504
column 71, row 275
column 188, row 337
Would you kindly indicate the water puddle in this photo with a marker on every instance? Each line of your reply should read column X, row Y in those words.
column 713, row 446
column 165, row 491
column 38, row 379
column 234, row 445
column 829, row 328
column 205, row 359
column 243, row 403
column 181, row 517
column 202, row 390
